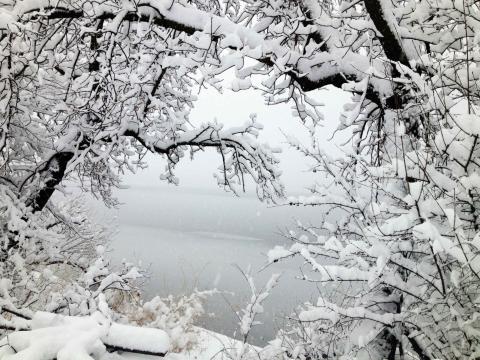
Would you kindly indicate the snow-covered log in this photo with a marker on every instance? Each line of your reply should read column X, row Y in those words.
column 54, row 336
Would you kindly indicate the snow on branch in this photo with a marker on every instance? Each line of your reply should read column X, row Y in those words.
column 240, row 154
column 309, row 72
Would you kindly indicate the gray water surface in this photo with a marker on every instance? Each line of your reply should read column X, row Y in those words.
column 191, row 239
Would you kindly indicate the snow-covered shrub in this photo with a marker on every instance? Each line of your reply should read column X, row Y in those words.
column 79, row 295
column 49, row 262
column 83, row 227
column 176, row 315
column 248, row 319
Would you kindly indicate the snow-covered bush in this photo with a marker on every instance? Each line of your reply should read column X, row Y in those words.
column 49, row 262
column 174, row 315
column 247, row 320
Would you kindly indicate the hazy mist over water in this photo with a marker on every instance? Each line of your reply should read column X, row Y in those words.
column 200, row 248
column 195, row 235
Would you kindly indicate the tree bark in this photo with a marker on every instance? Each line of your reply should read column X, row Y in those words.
column 47, row 178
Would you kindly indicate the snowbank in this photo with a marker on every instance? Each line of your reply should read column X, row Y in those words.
column 54, row 336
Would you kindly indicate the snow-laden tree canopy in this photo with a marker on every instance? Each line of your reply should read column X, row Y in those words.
column 87, row 87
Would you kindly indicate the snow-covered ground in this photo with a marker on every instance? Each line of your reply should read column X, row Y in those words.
column 210, row 346
column 53, row 336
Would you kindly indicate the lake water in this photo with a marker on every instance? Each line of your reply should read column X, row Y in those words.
column 194, row 235
column 196, row 239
